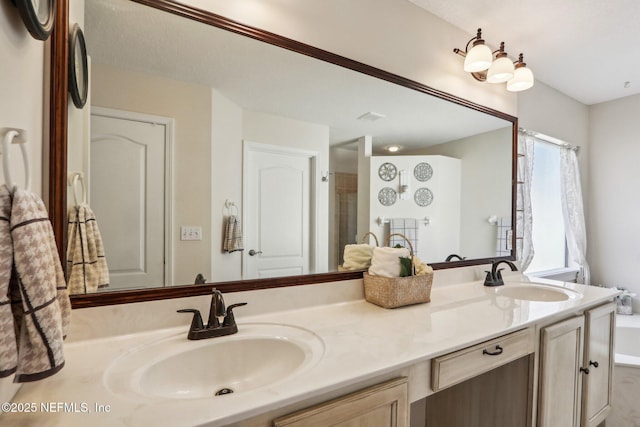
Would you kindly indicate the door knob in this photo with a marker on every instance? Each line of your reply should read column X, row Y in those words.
column 253, row 252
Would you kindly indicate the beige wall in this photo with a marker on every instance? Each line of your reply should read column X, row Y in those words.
column 190, row 106
column 613, row 225
column 22, row 95
column 485, row 190
column 231, row 127
column 23, row 103
column 226, row 181
column 393, row 35
column 273, row 130
column 78, row 120
column 545, row 110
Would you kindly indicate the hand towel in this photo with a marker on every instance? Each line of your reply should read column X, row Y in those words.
column 357, row 257
column 408, row 227
column 8, row 348
column 232, row 235
column 86, row 263
column 40, row 302
column 386, row 261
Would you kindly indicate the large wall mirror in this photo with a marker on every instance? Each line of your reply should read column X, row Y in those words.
column 192, row 119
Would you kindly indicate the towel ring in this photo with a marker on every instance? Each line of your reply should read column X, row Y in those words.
column 74, row 178
column 15, row 136
column 230, row 206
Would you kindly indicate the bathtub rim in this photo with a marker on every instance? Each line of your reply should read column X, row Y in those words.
column 628, row 321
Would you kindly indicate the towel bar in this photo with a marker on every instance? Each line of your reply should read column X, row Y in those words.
column 73, row 178
column 230, row 206
column 382, row 220
column 15, row 136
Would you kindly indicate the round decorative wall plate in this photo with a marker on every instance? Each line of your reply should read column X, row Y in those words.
column 387, row 171
column 38, row 16
column 387, row 196
column 423, row 197
column 78, row 67
column 423, row 172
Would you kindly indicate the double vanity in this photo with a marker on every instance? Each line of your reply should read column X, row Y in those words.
column 506, row 353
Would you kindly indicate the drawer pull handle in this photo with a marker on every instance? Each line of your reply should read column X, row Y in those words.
column 594, row 364
column 498, row 351
column 585, row 370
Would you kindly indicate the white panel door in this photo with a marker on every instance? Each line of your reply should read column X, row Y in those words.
column 127, row 195
column 277, row 208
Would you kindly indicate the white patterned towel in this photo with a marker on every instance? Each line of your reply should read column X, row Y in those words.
column 232, row 235
column 8, row 349
column 86, row 264
column 38, row 291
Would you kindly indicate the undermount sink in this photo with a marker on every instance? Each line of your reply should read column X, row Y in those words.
column 536, row 292
column 259, row 355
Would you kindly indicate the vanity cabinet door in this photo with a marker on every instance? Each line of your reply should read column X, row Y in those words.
column 561, row 356
column 384, row 405
column 599, row 359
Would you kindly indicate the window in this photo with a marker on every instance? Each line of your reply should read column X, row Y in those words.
column 548, row 232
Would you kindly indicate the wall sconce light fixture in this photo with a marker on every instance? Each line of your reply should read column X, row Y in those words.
column 479, row 61
column 404, row 185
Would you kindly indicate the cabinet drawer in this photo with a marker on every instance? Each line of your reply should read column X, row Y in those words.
column 461, row 365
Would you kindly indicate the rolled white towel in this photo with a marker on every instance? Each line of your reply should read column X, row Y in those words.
column 386, row 261
column 357, row 257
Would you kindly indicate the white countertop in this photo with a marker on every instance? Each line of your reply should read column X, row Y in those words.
column 362, row 341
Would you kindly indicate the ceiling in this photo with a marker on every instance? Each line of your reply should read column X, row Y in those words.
column 265, row 78
column 585, row 49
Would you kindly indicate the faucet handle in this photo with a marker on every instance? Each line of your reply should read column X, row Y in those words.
column 229, row 319
column 196, row 322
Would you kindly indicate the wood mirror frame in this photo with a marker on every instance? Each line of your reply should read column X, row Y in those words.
column 57, row 185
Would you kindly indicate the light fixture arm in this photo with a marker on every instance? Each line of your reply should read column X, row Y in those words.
column 499, row 53
column 477, row 39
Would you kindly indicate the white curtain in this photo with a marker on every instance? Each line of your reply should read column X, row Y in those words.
column 524, row 215
column 573, row 213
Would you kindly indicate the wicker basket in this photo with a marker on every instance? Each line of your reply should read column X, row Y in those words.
column 393, row 292
column 372, row 235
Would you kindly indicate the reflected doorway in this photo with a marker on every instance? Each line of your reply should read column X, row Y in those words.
column 129, row 176
column 280, row 213
column 345, row 213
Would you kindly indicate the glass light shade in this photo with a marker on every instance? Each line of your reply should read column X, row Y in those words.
column 501, row 70
column 522, row 80
column 479, row 58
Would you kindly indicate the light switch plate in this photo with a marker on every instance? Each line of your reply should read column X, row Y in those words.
column 190, row 233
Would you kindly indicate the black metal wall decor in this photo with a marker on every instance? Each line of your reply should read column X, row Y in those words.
column 78, row 67
column 38, row 16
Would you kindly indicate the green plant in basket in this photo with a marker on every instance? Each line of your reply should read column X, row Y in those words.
column 406, row 268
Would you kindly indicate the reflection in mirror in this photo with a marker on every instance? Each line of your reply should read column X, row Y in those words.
column 199, row 136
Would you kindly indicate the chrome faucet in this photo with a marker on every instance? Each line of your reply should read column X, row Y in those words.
column 198, row 330
column 494, row 277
